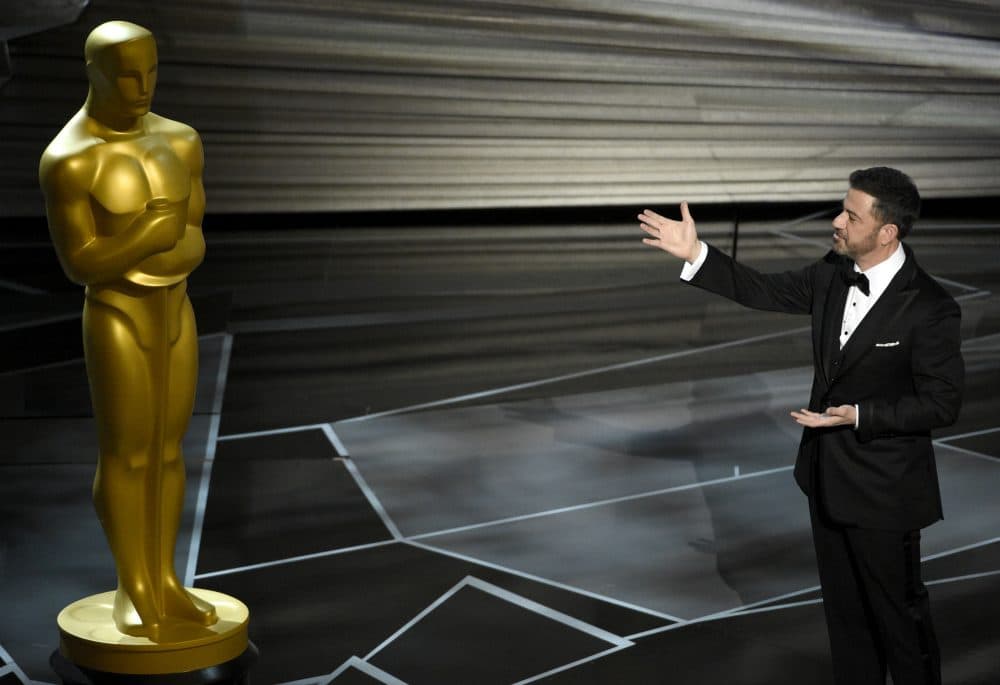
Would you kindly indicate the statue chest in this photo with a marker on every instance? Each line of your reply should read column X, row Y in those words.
column 132, row 172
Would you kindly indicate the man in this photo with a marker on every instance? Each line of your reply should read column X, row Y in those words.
column 125, row 201
column 887, row 370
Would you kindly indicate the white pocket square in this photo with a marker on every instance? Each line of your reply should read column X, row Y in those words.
column 887, row 344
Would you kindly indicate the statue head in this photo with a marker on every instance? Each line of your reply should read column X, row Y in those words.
column 121, row 66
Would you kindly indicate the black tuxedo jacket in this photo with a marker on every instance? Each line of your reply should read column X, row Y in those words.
column 902, row 366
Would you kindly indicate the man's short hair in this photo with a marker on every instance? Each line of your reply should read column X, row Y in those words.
column 897, row 200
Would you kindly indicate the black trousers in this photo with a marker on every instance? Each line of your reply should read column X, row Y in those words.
column 877, row 608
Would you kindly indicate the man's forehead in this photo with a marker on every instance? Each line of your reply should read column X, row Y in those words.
column 859, row 202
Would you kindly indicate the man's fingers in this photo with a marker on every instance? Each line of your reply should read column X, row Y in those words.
column 649, row 216
column 811, row 419
column 804, row 420
column 651, row 230
column 686, row 212
column 832, row 417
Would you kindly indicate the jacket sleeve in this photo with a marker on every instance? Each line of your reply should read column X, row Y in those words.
column 790, row 291
column 938, row 376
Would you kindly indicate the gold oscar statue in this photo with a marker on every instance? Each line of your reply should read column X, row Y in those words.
column 125, row 201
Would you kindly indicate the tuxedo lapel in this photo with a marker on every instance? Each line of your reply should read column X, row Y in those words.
column 826, row 343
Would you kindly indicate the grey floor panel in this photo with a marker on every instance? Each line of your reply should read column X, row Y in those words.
column 438, row 470
column 785, row 647
column 485, row 635
column 981, row 559
column 687, row 553
column 965, row 622
column 703, row 550
column 275, row 497
column 969, row 487
column 987, row 444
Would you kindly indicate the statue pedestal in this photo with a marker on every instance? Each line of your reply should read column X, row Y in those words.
column 92, row 651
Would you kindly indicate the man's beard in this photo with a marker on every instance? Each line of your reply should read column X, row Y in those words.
column 868, row 244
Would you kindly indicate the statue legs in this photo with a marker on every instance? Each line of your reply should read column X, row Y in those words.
column 142, row 361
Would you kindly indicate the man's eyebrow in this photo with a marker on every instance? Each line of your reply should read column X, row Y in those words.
column 851, row 212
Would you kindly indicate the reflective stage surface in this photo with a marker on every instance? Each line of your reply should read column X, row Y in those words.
column 490, row 454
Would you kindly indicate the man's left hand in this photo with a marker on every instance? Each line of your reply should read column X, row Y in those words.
column 844, row 415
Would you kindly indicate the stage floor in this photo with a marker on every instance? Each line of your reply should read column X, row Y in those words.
column 491, row 454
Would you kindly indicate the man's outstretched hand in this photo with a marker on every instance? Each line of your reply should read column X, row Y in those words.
column 844, row 415
column 679, row 238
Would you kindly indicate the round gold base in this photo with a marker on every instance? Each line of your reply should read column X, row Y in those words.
column 88, row 637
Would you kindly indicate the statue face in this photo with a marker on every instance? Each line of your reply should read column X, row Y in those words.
column 124, row 76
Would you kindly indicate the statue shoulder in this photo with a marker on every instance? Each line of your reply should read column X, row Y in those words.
column 174, row 130
column 70, row 161
column 161, row 124
column 183, row 139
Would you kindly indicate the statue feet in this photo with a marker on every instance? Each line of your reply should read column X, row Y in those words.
column 170, row 630
column 183, row 617
column 181, row 604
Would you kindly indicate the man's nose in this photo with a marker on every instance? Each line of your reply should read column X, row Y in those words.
column 838, row 221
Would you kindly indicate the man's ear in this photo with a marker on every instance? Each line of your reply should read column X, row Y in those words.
column 891, row 233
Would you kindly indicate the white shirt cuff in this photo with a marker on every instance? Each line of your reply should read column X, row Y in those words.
column 691, row 268
column 857, row 416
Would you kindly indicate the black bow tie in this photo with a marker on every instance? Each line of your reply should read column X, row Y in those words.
column 856, row 278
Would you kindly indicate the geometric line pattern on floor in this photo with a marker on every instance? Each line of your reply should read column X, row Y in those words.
column 362, row 666
column 429, row 640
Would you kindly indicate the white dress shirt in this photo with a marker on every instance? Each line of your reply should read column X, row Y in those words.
column 858, row 304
